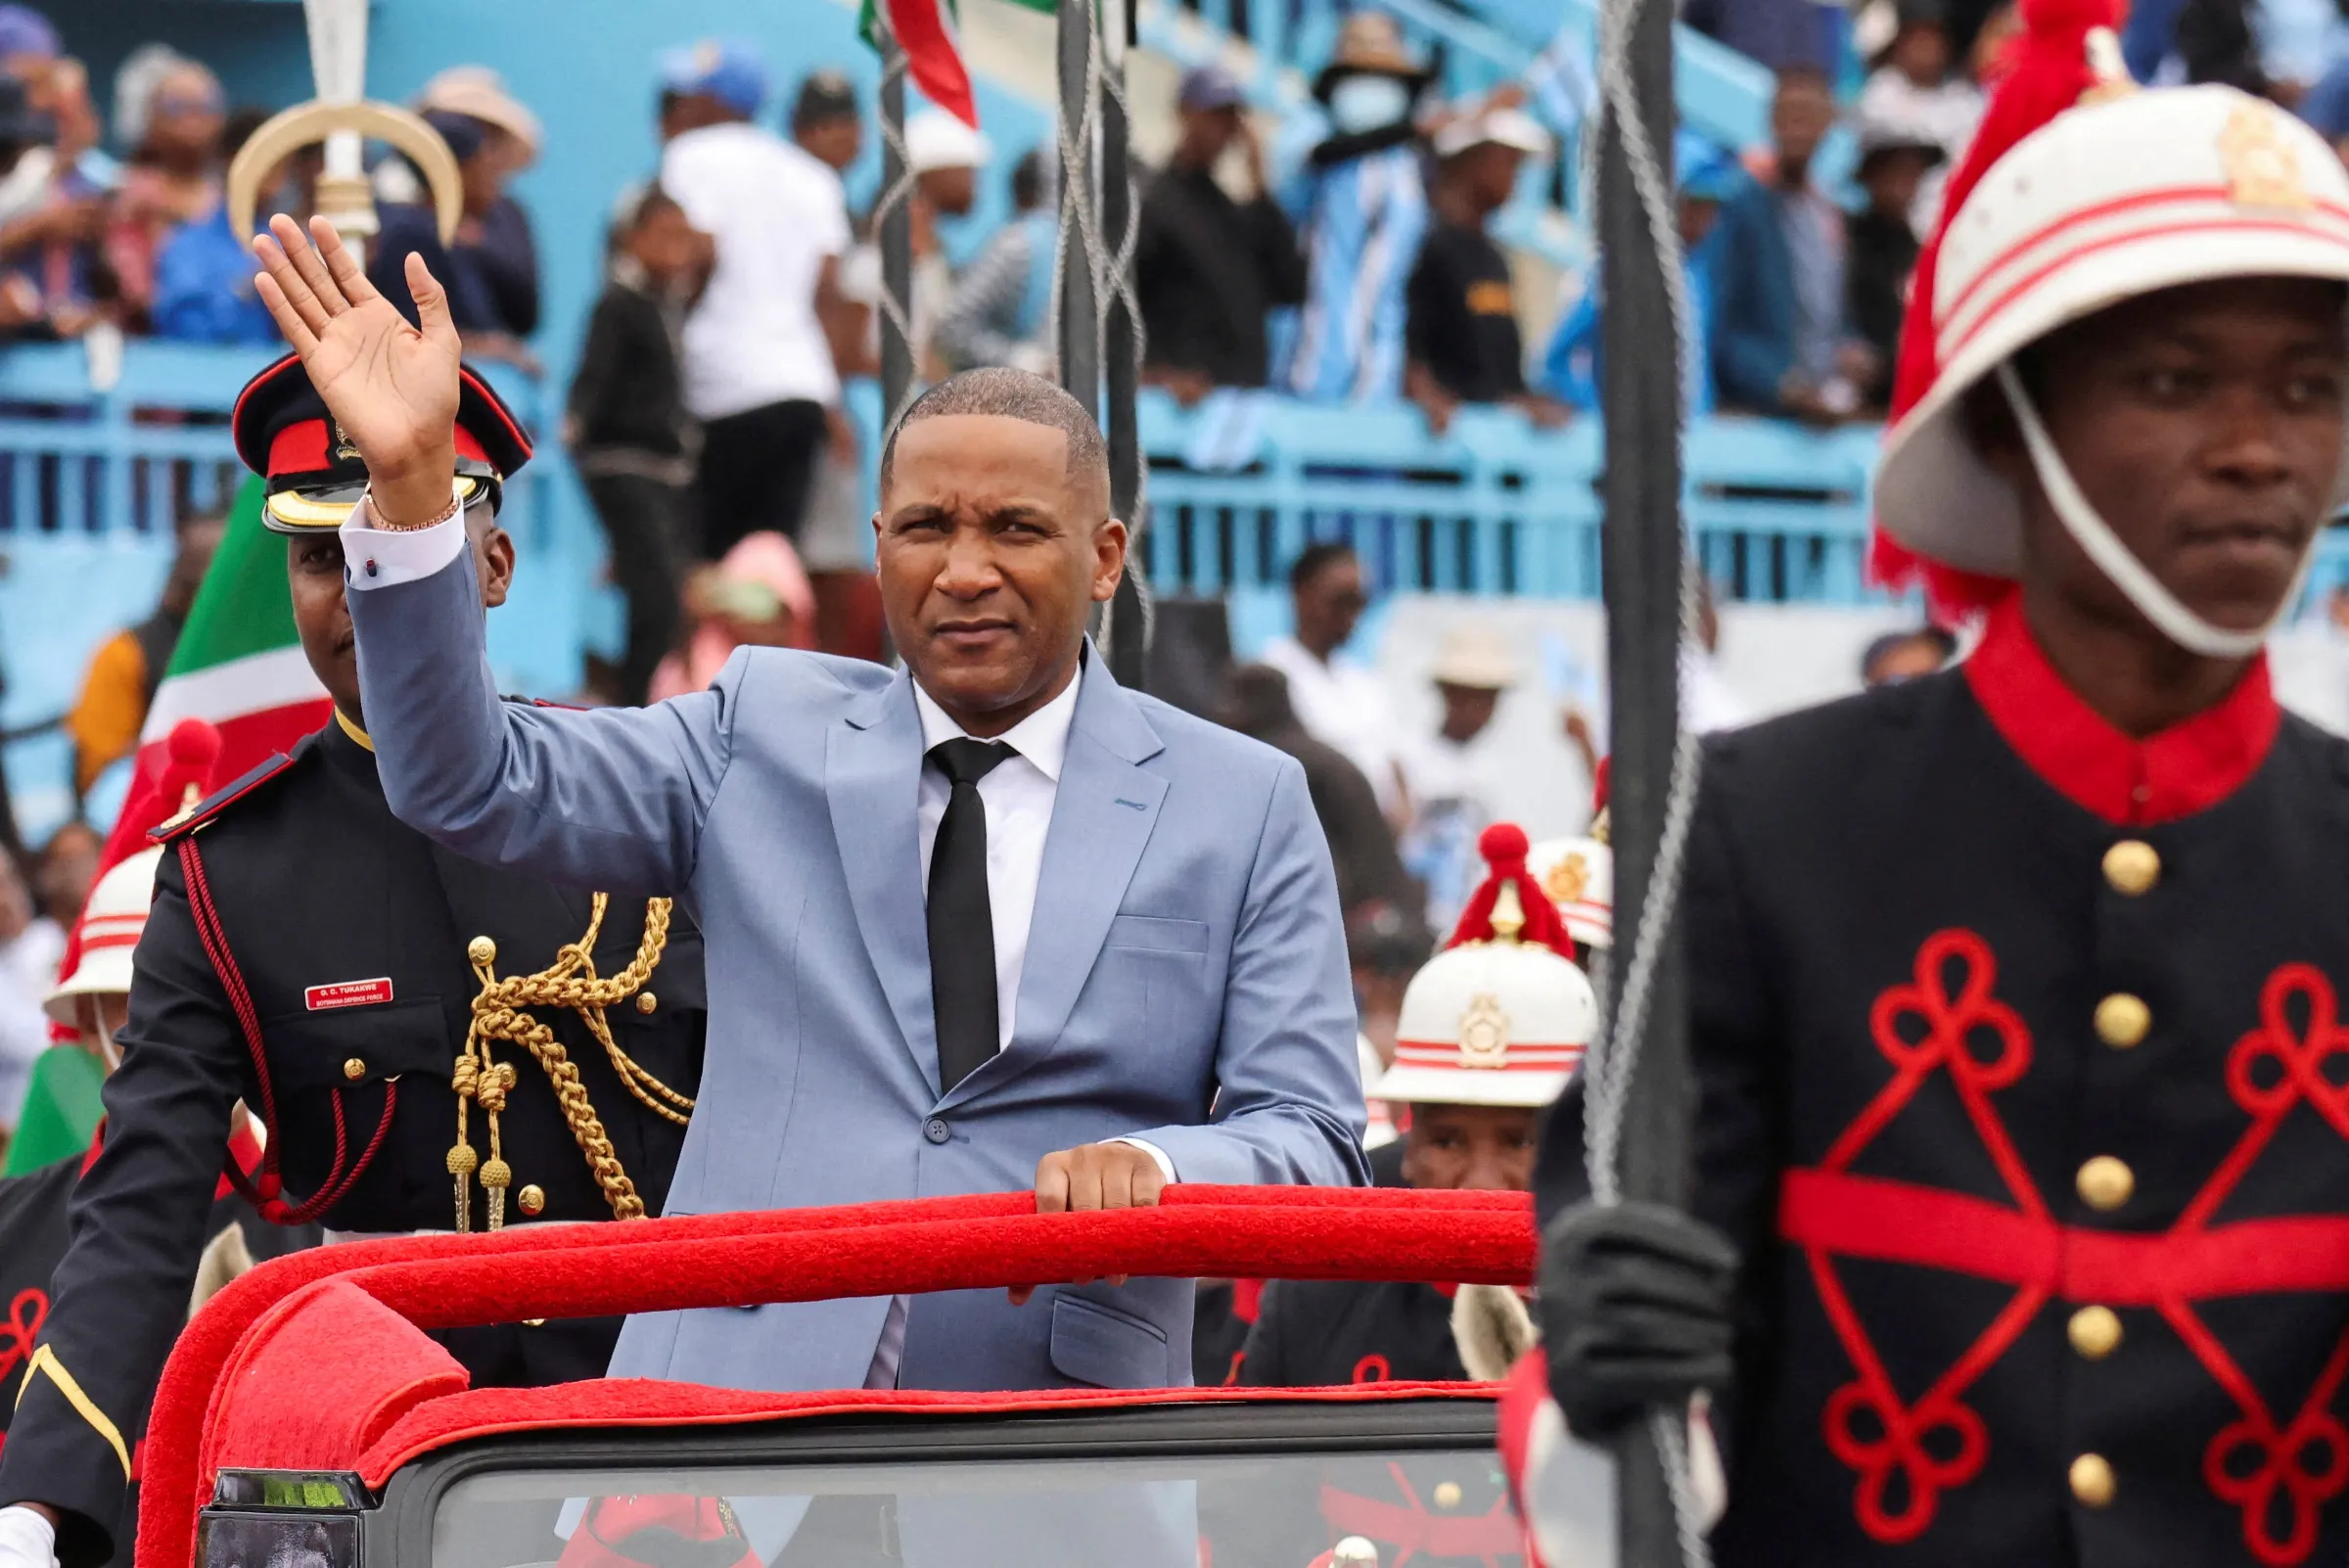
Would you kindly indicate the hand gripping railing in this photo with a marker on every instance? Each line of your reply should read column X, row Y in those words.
column 880, row 1249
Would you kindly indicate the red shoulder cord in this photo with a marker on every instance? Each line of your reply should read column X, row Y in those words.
column 1948, row 1019
column 264, row 1195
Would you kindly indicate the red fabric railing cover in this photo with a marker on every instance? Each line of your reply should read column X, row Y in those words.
column 735, row 1259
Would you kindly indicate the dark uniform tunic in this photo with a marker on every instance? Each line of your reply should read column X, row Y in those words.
column 323, row 897
column 2022, row 1058
column 1315, row 1333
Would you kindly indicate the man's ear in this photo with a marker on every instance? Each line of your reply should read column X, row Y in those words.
column 1109, row 559
column 493, row 558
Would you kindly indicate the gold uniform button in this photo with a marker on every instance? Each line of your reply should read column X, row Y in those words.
column 646, row 1001
column 1448, row 1493
column 2091, row 1480
column 2123, row 1020
column 2095, row 1332
column 482, row 950
column 2105, row 1182
column 2132, row 868
column 354, row 1069
column 533, row 1198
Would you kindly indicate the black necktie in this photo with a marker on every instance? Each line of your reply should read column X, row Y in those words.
column 962, row 922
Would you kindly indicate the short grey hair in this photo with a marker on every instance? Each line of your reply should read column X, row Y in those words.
column 1006, row 393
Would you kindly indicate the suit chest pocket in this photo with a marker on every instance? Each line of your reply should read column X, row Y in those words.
column 1155, row 934
column 1157, row 971
column 349, row 1047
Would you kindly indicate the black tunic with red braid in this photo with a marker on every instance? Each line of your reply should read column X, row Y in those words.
column 346, row 934
column 2025, row 1098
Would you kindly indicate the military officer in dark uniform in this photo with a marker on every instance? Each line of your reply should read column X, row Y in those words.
column 2023, row 1150
column 429, row 1044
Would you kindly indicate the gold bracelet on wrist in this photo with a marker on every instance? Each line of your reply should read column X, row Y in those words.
column 381, row 525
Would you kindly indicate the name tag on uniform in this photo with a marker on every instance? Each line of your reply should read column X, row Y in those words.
column 349, row 993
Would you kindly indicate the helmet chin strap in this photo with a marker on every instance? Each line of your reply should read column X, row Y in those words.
column 2170, row 617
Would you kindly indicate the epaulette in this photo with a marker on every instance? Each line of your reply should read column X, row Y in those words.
column 221, row 800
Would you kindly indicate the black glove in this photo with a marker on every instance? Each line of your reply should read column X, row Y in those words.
column 1634, row 1312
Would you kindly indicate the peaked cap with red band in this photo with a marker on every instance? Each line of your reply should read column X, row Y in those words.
column 2078, row 193
column 315, row 475
column 1501, row 1015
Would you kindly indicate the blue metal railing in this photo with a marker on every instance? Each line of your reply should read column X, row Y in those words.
column 91, row 482
column 1241, row 484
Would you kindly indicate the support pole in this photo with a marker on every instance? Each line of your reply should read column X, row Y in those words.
column 1128, row 649
column 1080, row 314
column 1642, row 552
column 897, row 227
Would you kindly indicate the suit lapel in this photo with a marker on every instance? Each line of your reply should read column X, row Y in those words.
column 1102, row 816
column 872, row 783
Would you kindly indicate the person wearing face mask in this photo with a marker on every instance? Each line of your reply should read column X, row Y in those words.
column 1365, row 213
column 2014, row 988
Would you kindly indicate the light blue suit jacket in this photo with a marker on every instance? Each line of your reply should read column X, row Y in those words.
column 1185, row 981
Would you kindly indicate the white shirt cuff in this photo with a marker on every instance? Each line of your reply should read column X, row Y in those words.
column 378, row 558
column 26, row 1537
column 1166, row 1166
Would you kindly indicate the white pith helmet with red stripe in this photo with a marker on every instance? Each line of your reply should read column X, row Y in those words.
column 1579, row 877
column 1500, row 1016
column 112, row 919
column 2080, row 191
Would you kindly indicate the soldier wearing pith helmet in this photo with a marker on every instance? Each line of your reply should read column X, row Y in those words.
column 1491, row 1032
column 428, row 1043
column 2021, row 1223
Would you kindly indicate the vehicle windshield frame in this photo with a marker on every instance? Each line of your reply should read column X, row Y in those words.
column 400, row 1532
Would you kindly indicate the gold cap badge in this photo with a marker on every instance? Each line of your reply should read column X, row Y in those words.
column 1484, row 1031
column 1566, row 882
column 2261, row 169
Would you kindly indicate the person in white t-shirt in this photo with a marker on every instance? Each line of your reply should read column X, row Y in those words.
column 1447, row 773
column 1340, row 703
column 760, row 366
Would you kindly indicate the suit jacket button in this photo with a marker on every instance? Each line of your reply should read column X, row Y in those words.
column 354, row 1069
column 2093, row 1480
column 937, row 1130
column 646, row 1001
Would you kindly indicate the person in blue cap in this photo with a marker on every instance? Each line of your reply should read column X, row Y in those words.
column 1207, row 268
column 1570, row 364
column 763, row 344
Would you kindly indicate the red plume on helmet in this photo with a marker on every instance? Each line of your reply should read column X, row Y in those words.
column 1503, row 846
column 184, row 778
column 2044, row 72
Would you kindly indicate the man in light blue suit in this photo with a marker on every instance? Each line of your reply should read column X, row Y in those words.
column 987, row 922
